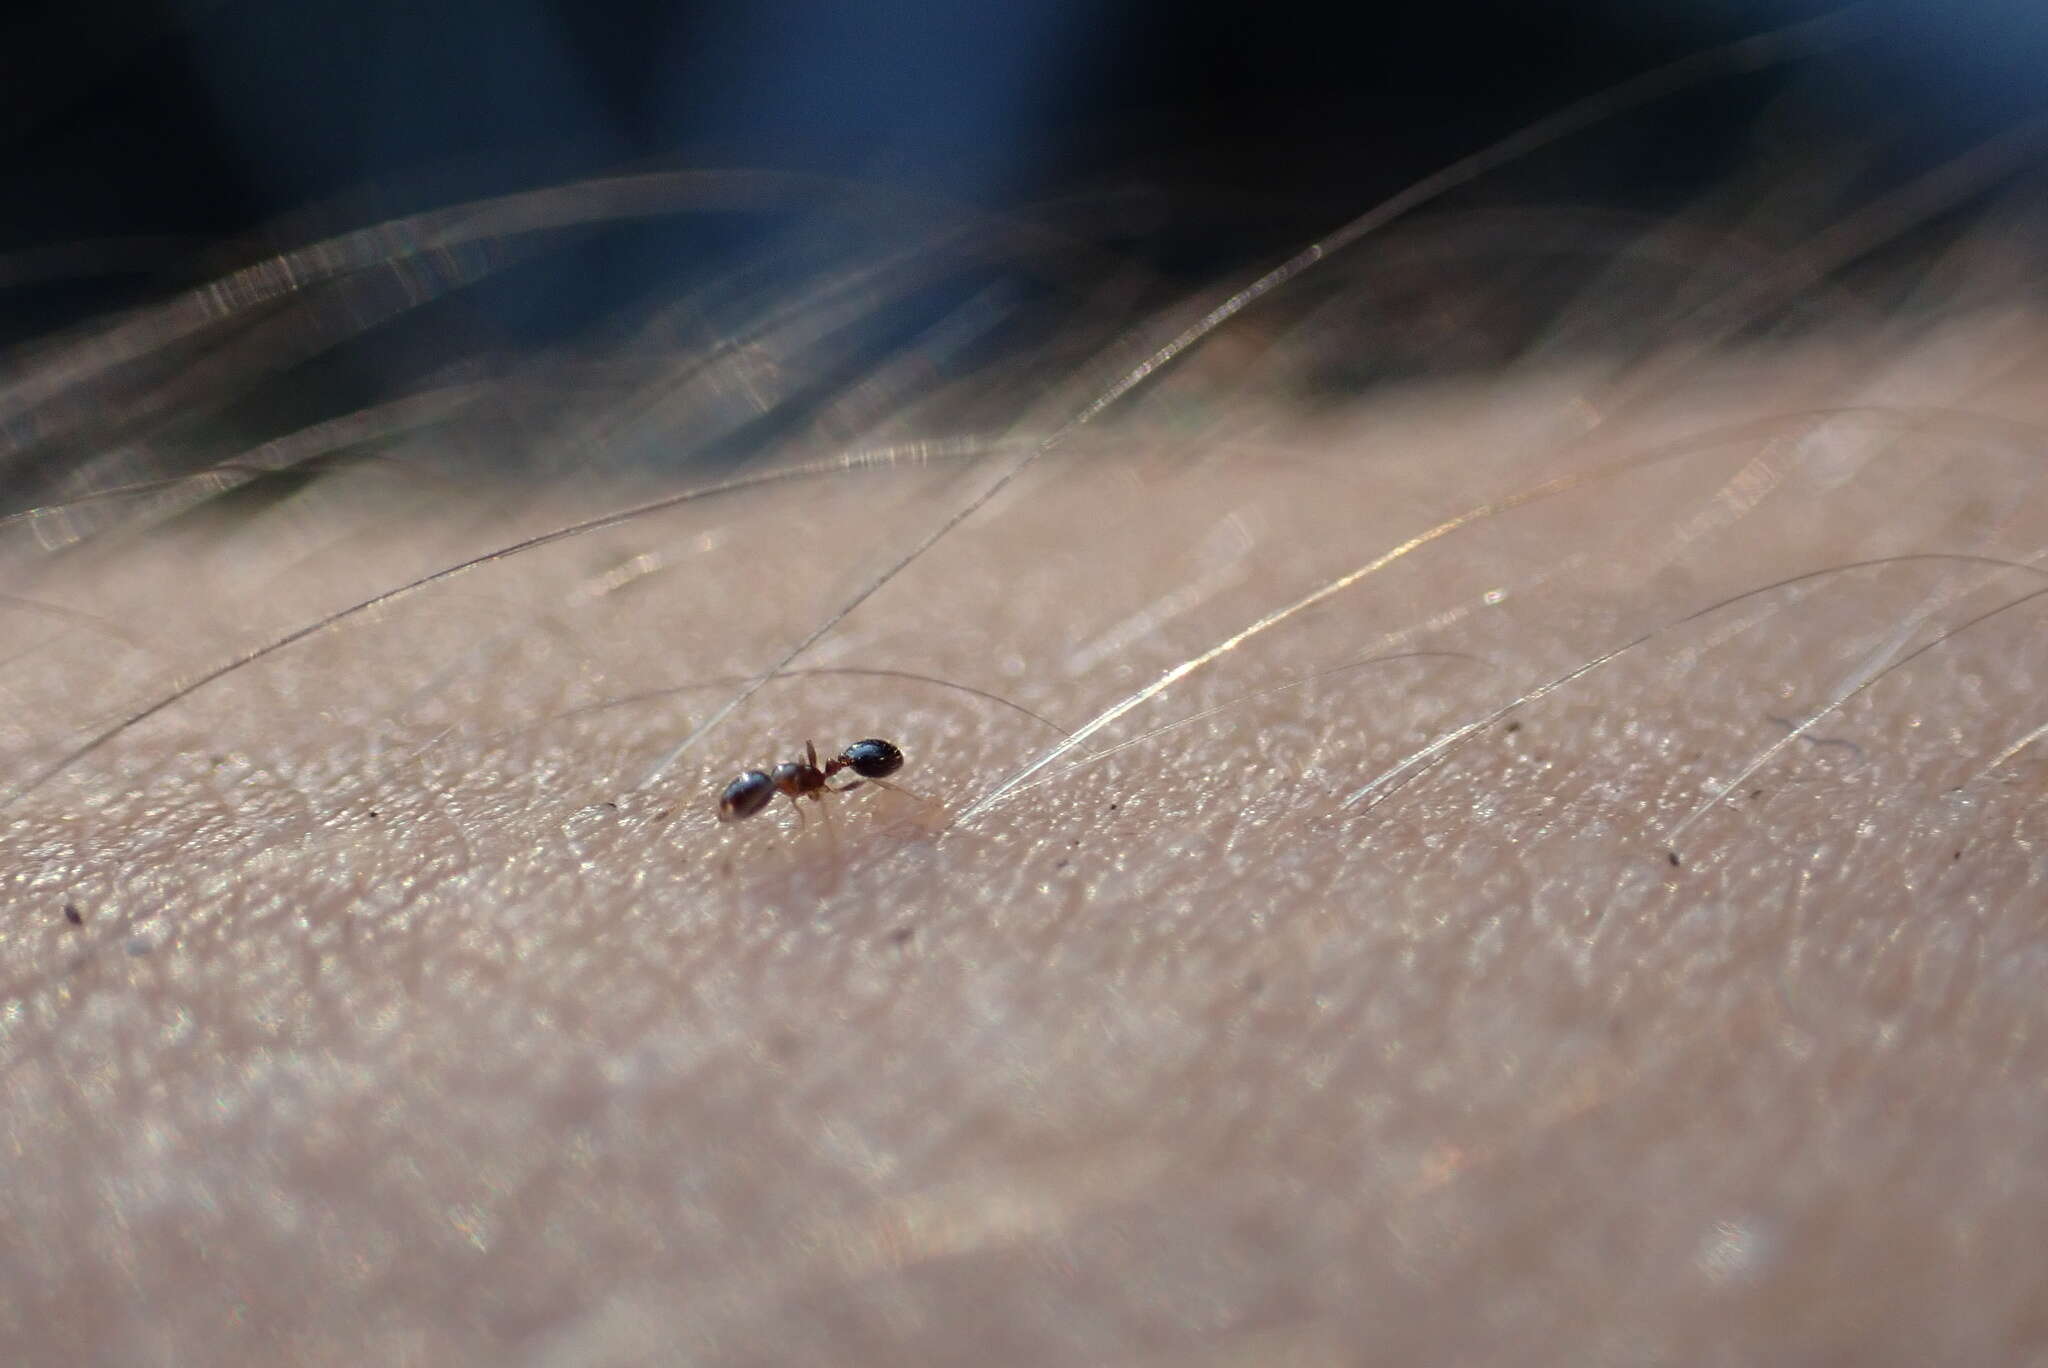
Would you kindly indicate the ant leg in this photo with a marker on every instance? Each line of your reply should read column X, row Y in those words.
column 898, row 788
column 932, row 806
column 831, row 836
column 848, row 788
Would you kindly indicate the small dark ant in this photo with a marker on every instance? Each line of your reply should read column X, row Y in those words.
column 873, row 760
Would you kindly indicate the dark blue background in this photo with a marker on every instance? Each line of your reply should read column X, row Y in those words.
column 206, row 117
column 195, row 135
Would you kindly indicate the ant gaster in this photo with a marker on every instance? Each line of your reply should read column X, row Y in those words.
column 873, row 760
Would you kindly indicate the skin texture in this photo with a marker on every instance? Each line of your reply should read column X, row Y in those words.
column 402, row 1024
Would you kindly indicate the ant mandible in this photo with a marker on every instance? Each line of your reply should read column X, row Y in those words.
column 873, row 760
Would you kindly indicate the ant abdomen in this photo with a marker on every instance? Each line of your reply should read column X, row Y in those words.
column 745, row 796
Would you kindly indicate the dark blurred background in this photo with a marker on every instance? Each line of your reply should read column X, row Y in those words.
column 210, row 118
column 152, row 146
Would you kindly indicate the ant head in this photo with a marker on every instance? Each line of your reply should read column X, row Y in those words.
column 745, row 796
column 872, row 759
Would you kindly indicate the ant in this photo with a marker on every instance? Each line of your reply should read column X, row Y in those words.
column 873, row 760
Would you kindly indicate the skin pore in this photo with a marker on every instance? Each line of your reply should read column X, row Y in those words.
column 1489, row 813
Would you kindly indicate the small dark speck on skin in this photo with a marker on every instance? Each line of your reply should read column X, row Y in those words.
column 1672, row 856
column 662, row 816
column 1957, row 856
column 902, row 935
column 1059, row 864
column 77, row 918
column 374, row 814
column 1114, row 806
column 1756, row 793
column 1513, row 727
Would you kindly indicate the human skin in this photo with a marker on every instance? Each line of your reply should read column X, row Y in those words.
column 405, row 1021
